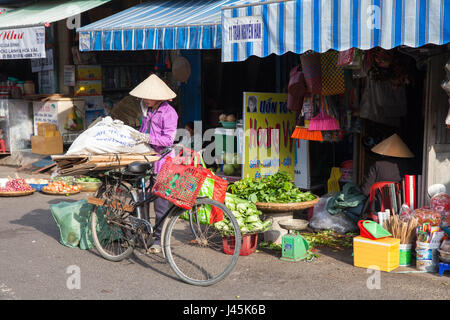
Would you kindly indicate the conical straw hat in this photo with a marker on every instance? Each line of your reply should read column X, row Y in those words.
column 153, row 88
column 393, row 147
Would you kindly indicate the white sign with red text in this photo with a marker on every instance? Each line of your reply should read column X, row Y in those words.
column 25, row 43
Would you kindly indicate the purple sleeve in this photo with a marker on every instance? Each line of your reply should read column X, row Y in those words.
column 169, row 130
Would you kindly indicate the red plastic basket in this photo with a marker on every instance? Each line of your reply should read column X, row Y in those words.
column 179, row 184
column 249, row 243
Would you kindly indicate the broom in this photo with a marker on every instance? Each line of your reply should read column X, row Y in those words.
column 305, row 134
column 323, row 121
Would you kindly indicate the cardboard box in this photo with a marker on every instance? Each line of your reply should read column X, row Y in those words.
column 89, row 72
column 46, row 129
column 88, row 88
column 47, row 145
column 382, row 254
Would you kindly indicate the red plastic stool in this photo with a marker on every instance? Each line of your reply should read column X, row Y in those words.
column 2, row 146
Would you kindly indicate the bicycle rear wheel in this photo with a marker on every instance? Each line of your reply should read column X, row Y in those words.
column 195, row 251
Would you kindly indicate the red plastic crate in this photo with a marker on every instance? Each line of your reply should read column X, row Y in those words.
column 249, row 243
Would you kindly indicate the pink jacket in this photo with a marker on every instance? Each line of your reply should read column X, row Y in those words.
column 161, row 125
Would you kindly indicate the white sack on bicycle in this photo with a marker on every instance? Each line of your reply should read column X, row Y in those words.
column 108, row 136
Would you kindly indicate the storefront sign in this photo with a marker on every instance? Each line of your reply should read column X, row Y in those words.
column 268, row 126
column 44, row 64
column 243, row 29
column 25, row 43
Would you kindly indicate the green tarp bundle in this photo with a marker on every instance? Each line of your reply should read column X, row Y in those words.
column 351, row 196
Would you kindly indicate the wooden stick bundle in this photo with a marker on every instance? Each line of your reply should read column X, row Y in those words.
column 405, row 231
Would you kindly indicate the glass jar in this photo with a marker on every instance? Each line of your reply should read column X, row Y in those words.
column 29, row 87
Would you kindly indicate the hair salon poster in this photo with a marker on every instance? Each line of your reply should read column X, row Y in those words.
column 268, row 126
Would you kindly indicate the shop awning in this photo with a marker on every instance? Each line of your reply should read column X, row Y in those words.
column 278, row 27
column 39, row 13
column 160, row 25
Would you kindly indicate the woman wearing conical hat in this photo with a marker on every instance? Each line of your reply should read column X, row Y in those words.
column 158, row 128
column 393, row 166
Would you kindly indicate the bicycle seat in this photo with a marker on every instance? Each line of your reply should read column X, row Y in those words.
column 139, row 167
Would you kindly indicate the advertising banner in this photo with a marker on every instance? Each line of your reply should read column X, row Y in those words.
column 268, row 126
column 24, row 43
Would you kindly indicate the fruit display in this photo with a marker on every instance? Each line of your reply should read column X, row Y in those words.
column 61, row 187
column 16, row 185
column 231, row 165
column 67, row 179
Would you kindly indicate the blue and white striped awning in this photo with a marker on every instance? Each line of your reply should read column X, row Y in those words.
column 160, row 25
column 278, row 27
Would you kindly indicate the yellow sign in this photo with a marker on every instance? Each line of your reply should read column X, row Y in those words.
column 268, row 126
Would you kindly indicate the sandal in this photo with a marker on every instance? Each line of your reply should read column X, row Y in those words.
column 156, row 248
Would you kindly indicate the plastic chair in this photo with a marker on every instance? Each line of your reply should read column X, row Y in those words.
column 381, row 188
column 2, row 146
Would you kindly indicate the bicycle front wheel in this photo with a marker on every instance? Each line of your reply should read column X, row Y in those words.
column 195, row 251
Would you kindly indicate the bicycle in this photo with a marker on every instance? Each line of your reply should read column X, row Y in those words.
column 120, row 222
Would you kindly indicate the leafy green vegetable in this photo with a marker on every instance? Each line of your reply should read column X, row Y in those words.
column 246, row 214
column 277, row 188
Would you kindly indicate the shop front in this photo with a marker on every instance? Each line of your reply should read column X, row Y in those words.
column 35, row 42
column 362, row 77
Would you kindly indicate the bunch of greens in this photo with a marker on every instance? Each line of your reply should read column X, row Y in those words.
column 277, row 188
column 246, row 214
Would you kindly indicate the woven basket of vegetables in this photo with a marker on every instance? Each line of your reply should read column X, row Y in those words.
column 286, row 207
column 275, row 193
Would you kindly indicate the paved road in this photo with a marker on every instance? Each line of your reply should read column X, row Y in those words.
column 34, row 265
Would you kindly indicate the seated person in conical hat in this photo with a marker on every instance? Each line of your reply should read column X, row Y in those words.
column 393, row 166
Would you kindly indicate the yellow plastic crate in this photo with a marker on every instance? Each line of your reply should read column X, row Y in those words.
column 383, row 253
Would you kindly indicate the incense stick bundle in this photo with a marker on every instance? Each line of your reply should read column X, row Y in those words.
column 405, row 231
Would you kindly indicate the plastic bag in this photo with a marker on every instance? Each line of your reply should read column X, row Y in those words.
column 72, row 219
column 214, row 188
column 74, row 222
column 322, row 220
column 108, row 136
column 406, row 213
column 440, row 203
column 427, row 215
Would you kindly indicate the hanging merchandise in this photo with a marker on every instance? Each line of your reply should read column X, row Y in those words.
column 382, row 103
column 323, row 121
column 301, row 131
column 351, row 58
column 296, row 89
column 322, row 74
